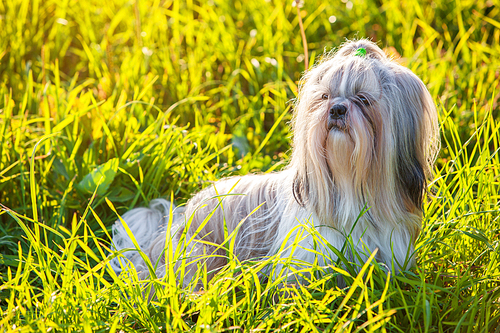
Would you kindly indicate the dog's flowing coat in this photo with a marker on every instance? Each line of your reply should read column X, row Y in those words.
column 365, row 134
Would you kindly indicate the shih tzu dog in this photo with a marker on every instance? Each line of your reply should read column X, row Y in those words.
column 365, row 135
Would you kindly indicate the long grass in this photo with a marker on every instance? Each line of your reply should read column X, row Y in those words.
column 105, row 106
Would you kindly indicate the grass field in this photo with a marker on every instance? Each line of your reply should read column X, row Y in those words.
column 157, row 98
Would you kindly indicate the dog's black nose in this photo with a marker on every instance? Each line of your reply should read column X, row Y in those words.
column 338, row 111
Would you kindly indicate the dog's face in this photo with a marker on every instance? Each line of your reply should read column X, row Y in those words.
column 363, row 126
column 347, row 109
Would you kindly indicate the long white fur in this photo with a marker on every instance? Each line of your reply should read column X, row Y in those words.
column 379, row 160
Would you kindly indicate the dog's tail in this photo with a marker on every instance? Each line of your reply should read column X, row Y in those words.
column 145, row 224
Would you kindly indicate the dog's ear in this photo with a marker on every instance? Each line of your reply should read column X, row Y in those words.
column 300, row 189
column 412, row 180
column 415, row 128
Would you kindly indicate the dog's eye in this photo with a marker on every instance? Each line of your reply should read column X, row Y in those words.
column 364, row 100
column 324, row 97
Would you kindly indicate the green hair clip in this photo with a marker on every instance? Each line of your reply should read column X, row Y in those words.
column 361, row 52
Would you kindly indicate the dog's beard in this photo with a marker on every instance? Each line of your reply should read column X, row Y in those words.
column 339, row 154
column 350, row 150
column 341, row 161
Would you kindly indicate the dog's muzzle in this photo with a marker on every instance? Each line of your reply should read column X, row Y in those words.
column 336, row 118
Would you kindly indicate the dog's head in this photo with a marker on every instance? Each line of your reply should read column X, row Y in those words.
column 364, row 126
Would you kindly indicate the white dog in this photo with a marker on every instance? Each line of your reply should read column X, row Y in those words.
column 365, row 135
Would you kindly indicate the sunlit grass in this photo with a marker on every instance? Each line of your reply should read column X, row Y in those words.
column 162, row 97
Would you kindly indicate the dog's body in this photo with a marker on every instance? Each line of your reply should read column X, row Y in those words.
column 365, row 135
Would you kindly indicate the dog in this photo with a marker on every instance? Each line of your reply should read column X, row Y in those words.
column 365, row 138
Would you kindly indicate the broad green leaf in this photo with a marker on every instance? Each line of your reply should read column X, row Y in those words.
column 101, row 177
